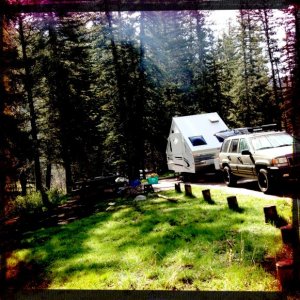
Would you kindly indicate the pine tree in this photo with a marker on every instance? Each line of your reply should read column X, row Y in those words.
column 251, row 91
column 289, row 65
column 66, row 68
column 227, row 60
column 28, row 86
column 266, row 18
column 14, row 143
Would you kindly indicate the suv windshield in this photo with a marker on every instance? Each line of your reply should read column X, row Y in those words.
column 271, row 141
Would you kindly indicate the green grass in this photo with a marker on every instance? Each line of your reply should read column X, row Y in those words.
column 157, row 244
column 32, row 202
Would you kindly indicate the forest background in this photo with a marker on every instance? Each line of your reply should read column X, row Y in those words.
column 96, row 92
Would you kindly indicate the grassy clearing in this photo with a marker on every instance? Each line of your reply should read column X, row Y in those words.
column 157, row 244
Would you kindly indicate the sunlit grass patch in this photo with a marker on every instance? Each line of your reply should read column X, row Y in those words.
column 157, row 244
column 237, row 278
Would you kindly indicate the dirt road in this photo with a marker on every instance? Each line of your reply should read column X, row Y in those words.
column 246, row 187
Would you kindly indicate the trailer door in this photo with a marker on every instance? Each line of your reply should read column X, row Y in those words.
column 177, row 147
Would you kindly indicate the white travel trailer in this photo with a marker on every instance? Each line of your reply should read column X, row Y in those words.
column 192, row 144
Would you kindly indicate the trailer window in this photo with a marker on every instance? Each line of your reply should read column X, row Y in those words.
column 197, row 140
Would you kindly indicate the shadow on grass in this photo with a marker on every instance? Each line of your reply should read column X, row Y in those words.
column 210, row 201
column 158, row 227
column 279, row 222
column 48, row 246
column 238, row 210
column 170, row 231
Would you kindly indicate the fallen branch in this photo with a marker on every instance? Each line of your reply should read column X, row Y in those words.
column 167, row 198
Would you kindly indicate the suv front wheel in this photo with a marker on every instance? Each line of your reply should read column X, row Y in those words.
column 264, row 181
column 229, row 178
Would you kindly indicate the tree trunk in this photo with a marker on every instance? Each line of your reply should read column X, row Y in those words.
column 266, row 27
column 296, row 123
column 200, row 39
column 2, row 168
column 68, row 170
column 121, row 102
column 140, row 105
column 48, row 176
column 23, row 182
column 33, row 117
column 58, row 90
column 3, row 263
column 2, row 95
column 246, row 118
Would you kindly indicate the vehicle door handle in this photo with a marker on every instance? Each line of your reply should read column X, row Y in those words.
column 240, row 160
column 229, row 157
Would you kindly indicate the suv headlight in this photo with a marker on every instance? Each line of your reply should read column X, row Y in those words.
column 280, row 161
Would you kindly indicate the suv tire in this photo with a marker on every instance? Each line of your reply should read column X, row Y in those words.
column 264, row 181
column 229, row 178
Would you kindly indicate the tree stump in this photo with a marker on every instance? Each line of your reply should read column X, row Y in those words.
column 232, row 203
column 188, row 190
column 177, row 187
column 271, row 215
column 288, row 234
column 285, row 274
column 206, row 195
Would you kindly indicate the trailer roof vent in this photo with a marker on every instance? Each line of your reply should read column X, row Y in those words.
column 214, row 119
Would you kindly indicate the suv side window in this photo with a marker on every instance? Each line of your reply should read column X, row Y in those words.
column 243, row 145
column 225, row 146
column 234, row 146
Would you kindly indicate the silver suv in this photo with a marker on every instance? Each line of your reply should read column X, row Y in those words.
column 268, row 156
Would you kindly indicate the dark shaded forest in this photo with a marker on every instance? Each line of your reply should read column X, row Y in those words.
column 96, row 92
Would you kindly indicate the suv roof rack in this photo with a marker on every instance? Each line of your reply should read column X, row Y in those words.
column 266, row 127
column 221, row 135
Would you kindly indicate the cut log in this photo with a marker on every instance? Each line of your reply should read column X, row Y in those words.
column 177, row 187
column 285, row 274
column 288, row 234
column 188, row 190
column 271, row 214
column 206, row 195
column 232, row 203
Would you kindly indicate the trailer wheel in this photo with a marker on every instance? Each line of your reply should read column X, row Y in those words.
column 229, row 178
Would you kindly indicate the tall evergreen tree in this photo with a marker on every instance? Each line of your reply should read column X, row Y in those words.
column 66, row 68
column 227, row 58
column 251, row 89
column 14, row 142
column 28, row 85
column 204, row 70
column 269, row 27
column 289, row 64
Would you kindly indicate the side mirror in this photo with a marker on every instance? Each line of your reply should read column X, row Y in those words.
column 246, row 152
